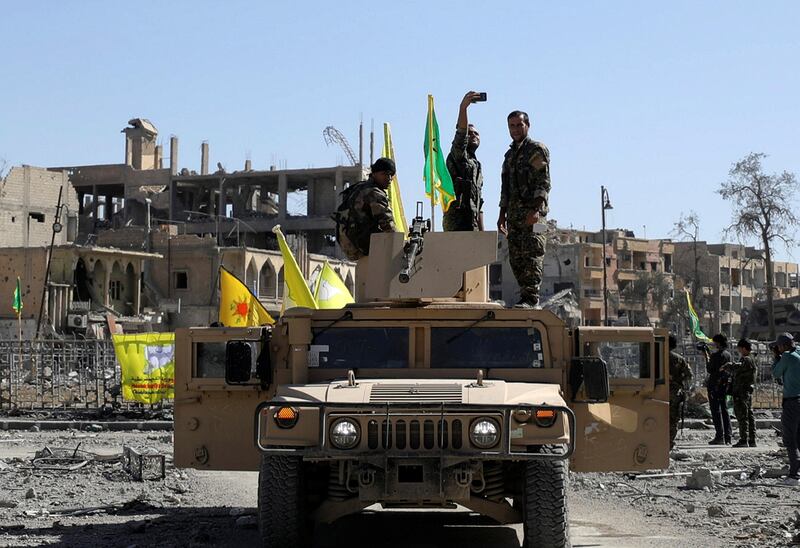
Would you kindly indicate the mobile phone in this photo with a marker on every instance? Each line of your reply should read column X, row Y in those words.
column 481, row 97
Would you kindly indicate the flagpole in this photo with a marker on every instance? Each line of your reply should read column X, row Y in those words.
column 430, row 162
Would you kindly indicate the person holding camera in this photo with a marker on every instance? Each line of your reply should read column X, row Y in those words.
column 744, row 380
column 718, row 367
column 466, row 212
column 680, row 377
column 786, row 370
column 523, row 204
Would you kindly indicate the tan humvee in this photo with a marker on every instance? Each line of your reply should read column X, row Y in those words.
column 408, row 399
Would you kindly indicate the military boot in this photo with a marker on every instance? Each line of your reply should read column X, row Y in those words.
column 741, row 443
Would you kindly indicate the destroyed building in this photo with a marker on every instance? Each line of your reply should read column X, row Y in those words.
column 167, row 230
column 730, row 279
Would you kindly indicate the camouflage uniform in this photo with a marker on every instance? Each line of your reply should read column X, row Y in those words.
column 744, row 377
column 465, row 169
column 680, row 375
column 370, row 212
column 526, row 177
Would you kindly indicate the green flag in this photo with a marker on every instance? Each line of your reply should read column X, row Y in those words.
column 696, row 331
column 17, row 306
column 437, row 178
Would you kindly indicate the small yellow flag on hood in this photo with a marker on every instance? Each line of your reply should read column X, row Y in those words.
column 296, row 291
column 238, row 307
column 330, row 290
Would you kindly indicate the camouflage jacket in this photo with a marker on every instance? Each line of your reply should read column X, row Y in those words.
column 525, row 177
column 680, row 375
column 370, row 213
column 744, row 375
column 465, row 170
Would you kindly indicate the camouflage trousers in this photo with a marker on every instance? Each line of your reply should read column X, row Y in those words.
column 526, row 255
column 743, row 409
column 674, row 417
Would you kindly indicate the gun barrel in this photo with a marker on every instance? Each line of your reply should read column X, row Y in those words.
column 410, row 255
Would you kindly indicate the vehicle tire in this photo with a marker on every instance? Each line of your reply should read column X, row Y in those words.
column 545, row 504
column 281, row 502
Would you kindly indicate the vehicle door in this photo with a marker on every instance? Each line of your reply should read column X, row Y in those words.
column 631, row 430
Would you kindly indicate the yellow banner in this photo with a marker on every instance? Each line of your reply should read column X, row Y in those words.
column 147, row 361
column 395, row 199
column 296, row 291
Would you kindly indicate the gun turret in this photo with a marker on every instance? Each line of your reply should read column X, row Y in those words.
column 413, row 247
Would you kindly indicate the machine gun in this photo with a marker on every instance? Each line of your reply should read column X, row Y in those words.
column 413, row 246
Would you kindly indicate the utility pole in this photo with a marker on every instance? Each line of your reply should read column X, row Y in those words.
column 605, row 203
column 57, row 227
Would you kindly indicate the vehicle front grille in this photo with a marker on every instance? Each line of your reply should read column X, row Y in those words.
column 388, row 393
column 416, row 433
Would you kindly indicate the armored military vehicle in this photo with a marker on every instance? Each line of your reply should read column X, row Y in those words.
column 423, row 394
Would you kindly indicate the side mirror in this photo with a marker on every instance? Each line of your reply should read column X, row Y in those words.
column 590, row 374
column 240, row 361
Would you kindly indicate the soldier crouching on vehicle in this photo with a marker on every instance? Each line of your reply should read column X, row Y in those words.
column 365, row 210
column 744, row 379
column 523, row 204
column 466, row 212
column 680, row 377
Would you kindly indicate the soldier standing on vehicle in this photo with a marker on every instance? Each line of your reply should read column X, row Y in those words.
column 523, row 204
column 787, row 369
column 744, row 379
column 717, row 366
column 365, row 210
column 466, row 212
column 680, row 376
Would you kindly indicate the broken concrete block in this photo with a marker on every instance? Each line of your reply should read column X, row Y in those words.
column 702, row 478
column 716, row 511
column 7, row 503
column 690, row 508
column 30, row 493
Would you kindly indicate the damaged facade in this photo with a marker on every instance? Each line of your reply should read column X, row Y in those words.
column 146, row 241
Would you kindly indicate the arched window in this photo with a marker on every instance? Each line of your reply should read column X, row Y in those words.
column 252, row 277
column 280, row 283
column 267, row 282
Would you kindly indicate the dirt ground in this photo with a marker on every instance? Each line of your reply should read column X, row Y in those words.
column 78, row 494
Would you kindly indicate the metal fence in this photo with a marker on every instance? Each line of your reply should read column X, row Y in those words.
column 71, row 375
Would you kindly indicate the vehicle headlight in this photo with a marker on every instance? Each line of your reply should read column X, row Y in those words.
column 484, row 433
column 345, row 434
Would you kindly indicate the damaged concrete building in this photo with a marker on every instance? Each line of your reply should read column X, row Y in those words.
column 151, row 238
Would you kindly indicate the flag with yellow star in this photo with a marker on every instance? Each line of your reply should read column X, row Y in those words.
column 238, row 307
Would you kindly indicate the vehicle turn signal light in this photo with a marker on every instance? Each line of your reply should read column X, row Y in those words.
column 286, row 417
column 545, row 417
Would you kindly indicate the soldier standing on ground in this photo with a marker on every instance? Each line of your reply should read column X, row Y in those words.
column 787, row 369
column 523, row 204
column 680, row 376
column 717, row 365
column 365, row 210
column 466, row 212
column 744, row 379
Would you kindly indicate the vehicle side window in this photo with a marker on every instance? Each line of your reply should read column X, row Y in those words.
column 210, row 360
column 486, row 347
column 625, row 360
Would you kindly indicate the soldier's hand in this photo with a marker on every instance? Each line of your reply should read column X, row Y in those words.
column 501, row 224
column 532, row 217
column 469, row 98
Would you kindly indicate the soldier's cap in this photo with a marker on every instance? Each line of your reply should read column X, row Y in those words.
column 784, row 338
column 384, row 164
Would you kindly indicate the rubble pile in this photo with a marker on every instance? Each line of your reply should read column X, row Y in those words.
column 734, row 494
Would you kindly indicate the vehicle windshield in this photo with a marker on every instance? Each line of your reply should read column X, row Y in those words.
column 486, row 347
column 361, row 347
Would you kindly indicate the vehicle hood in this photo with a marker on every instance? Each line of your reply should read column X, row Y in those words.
column 398, row 391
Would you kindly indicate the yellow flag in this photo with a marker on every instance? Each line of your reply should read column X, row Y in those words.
column 238, row 307
column 330, row 290
column 296, row 291
column 147, row 362
column 395, row 199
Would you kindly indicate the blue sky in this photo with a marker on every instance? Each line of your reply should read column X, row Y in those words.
column 653, row 101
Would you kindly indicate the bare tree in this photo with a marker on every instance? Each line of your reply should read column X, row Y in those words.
column 687, row 228
column 649, row 288
column 763, row 208
column 3, row 168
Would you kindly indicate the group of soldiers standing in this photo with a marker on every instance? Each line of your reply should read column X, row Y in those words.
column 725, row 377
column 525, row 189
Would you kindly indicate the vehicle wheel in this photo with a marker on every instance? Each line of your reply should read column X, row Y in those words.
column 281, row 502
column 545, row 504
